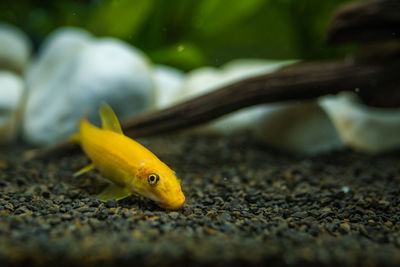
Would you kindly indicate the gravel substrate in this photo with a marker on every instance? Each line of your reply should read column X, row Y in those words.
column 244, row 205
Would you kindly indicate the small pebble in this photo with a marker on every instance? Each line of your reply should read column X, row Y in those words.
column 344, row 228
column 112, row 203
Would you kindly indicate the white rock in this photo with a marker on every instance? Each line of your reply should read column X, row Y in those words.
column 15, row 48
column 73, row 74
column 361, row 127
column 297, row 127
column 168, row 83
column 11, row 98
column 57, row 53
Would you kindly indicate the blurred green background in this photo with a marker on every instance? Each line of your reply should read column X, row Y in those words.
column 191, row 33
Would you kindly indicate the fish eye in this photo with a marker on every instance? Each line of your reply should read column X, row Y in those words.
column 153, row 179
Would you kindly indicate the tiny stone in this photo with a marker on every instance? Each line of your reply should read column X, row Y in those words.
column 66, row 216
column 344, row 228
column 300, row 214
column 112, row 203
column 46, row 194
column 9, row 206
column 174, row 215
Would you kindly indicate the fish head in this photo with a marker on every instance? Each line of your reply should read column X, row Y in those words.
column 161, row 185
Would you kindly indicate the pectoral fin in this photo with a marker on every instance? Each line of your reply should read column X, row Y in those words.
column 114, row 192
column 109, row 120
column 83, row 170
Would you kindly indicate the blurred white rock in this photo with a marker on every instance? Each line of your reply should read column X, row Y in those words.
column 56, row 55
column 11, row 98
column 15, row 48
column 73, row 73
column 361, row 127
column 168, row 83
column 301, row 127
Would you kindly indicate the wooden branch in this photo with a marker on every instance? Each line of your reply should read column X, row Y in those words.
column 377, row 83
column 304, row 81
column 366, row 21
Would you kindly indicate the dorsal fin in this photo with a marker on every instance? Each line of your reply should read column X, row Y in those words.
column 109, row 120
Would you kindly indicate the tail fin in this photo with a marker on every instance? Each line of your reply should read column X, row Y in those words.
column 109, row 120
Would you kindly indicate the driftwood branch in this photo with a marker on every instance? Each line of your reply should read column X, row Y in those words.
column 376, row 83
column 301, row 82
column 366, row 21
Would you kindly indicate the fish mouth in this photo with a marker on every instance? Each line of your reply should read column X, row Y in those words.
column 174, row 205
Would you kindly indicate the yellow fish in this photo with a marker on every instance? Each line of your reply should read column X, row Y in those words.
column 127, row 164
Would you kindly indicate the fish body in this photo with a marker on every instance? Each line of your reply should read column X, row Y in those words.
column 129, row 166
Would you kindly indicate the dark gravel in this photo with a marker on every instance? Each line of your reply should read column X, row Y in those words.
column 246, row 205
